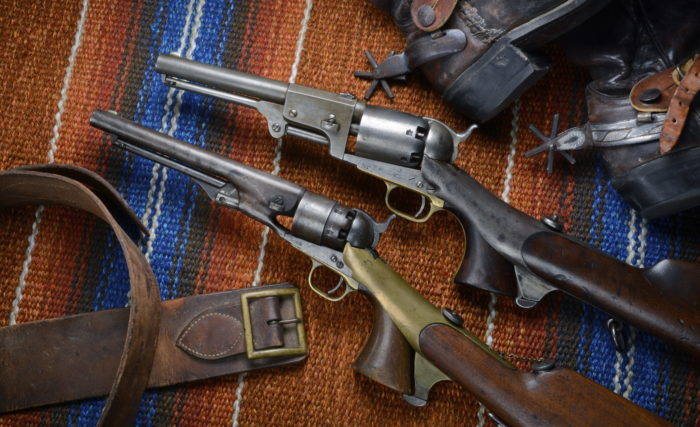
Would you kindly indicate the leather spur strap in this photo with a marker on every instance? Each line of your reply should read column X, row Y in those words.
column 679, row 107
column 120, row 352
column 431, row 15
column 653, row 94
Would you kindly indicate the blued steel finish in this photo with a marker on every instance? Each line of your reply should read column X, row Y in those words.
column 262, row 196
column 322, row 221
column 321, row 228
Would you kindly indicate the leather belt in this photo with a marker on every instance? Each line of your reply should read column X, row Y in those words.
column 120, row 352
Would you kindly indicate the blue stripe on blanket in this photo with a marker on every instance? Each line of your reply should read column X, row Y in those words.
column 156, row 195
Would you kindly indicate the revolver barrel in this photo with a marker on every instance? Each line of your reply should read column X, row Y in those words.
column 196, row 162
column 222, row 78
column 160, row 145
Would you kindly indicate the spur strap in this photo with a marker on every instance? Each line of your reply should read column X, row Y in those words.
column 679, row 107
column 672, row 92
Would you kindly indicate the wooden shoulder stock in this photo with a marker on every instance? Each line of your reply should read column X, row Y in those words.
column 557, row 397
column 663, row 300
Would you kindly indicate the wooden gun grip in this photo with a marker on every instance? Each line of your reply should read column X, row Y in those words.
column 386, row 357
column 482, row 267
column 484, row 218
column 553, row 398
column 663, row 300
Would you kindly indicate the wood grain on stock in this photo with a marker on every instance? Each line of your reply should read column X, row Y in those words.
column 663, row 300
column 482, row 267
column 386, row 356
column 559, row 397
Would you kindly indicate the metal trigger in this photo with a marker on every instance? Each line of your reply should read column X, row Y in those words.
column 327, row 295
column 435, row 205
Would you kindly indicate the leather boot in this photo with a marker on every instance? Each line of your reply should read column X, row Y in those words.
column 480, row 54
column 640, row 56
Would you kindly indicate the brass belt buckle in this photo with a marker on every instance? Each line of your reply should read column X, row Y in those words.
column 248, row 328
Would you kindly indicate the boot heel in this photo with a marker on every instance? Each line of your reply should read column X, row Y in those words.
column 495, row 80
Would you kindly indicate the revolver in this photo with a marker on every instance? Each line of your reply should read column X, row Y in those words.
column 413, row 344
column 507, row 252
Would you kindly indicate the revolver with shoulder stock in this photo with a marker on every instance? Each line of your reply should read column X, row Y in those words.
column 508, row 252
column 412, row 345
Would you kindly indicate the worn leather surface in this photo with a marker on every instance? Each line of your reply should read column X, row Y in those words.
column 221, row 249
column 631, row 39
column 127, row 379
column 482, row 22
column 641, row 45
column 442, row 9
column 663, row 82
column 679, row 108
column 185, row 339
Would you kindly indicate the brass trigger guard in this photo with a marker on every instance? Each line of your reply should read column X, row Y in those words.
column 436, row 204
column 348, row 289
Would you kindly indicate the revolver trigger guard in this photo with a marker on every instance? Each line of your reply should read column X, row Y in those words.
column 348, row 289
column 435, row 205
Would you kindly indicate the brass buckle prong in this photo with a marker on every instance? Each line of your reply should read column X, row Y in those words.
column 251, row 352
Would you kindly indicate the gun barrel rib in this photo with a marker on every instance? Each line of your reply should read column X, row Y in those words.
column 222, row 78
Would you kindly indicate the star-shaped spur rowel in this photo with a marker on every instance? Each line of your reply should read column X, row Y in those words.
column 376, row 78
column 550, row 145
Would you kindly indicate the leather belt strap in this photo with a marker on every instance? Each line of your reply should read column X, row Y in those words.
column 679, row 107
column 71, row 358
column 71, row 186
column 148, row 344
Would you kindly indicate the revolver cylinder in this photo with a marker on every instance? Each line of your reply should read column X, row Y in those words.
column 325, row 222
column 322, row 221
column 391, row 136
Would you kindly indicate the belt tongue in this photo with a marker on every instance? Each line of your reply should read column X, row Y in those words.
column 265, row 317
